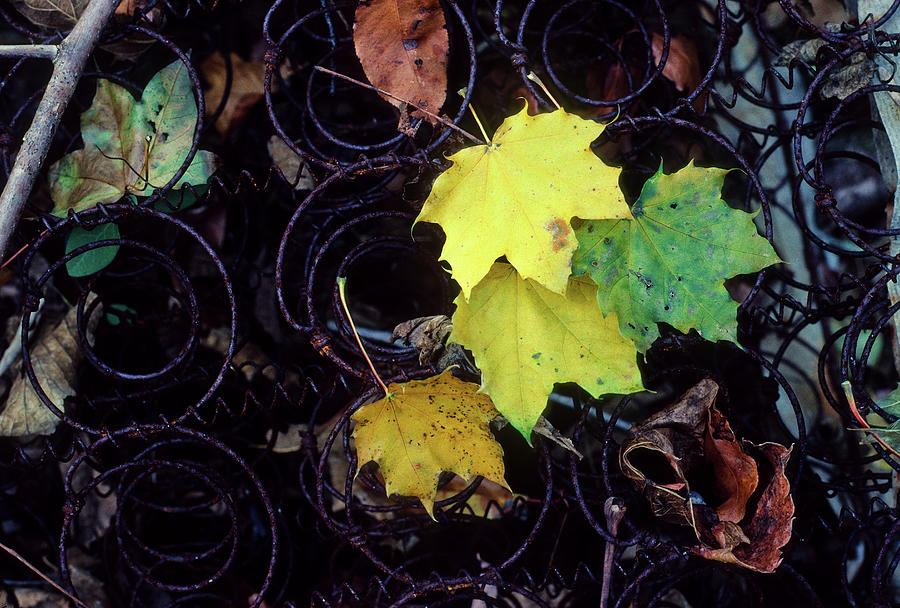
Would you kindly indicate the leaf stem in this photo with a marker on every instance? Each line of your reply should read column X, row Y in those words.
column 25, row 562
column 534, row 78
column 342, row 281
column 366, row 85
column 848, row 393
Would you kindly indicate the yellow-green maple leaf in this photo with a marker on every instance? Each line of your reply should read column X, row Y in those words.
column 516, row 195
column 526, row 338
column 669, row 263
column 132, row 147
column 425, row 427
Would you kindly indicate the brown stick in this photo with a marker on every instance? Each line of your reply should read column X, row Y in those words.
column 32, row 51
column 614, row 509
column 366, row 85
column 53, row 584
column 68, row 67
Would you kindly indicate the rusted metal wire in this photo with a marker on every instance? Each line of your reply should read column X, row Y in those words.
column 218, row 372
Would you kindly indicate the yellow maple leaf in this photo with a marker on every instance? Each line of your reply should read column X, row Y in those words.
column 425, row 427
column 516, row 195
column 526, row 339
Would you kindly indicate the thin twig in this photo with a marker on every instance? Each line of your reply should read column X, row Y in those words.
column 31, row 51
column 366, row 85
column 614, row 509
column 74, row 51
column 43, row 576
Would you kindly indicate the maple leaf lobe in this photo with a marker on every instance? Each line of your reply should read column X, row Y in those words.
column 515, row 197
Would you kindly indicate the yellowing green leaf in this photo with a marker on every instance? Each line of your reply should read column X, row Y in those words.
column 515, row 197
column 669, row 264
column 426, row 427
column 132, row 147
column 526, row 338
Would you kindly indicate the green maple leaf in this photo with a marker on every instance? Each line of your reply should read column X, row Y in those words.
column 526, row 338
column 669, row 264
column 132, row 147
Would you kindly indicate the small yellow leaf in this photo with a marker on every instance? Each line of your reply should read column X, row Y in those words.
column 515, row 197
column 526, row 339
column 426, row 427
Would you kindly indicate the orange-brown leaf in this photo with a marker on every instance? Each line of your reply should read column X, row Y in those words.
column 747, row 519
column 735, row 471
column 247, row 88
column 403, row 48
column 682, row 65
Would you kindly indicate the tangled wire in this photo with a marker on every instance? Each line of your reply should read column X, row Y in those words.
column 205, row 460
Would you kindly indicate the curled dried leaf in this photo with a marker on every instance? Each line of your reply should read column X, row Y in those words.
column 744, row 515
column 428, row 335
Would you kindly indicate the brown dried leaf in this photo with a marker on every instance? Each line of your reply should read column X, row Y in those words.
column 426, row 334
column 749, row 518
column 484, row 501
column 852, row 75
column 61, row 15
column 803, row 50
column 247, row 88
column 51, row 14
column 54, row 356
column 682, row 64
column 769, row 529
column 99, row 505
column 734, row 471
column 403, row 48
column 291, row 166
column 607, row 81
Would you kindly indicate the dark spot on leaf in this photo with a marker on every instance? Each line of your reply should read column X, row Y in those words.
column 418, row 62
column 415, row 24
column 536, row 356
column 673, row 206
column 410, row 44
column 590, row 228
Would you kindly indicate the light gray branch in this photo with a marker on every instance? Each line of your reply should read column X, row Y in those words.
column 35, row 51
column 67, row 69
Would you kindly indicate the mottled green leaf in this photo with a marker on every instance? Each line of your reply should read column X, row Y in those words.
column 94, row 260
column 132, row 147
column 669, row 264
